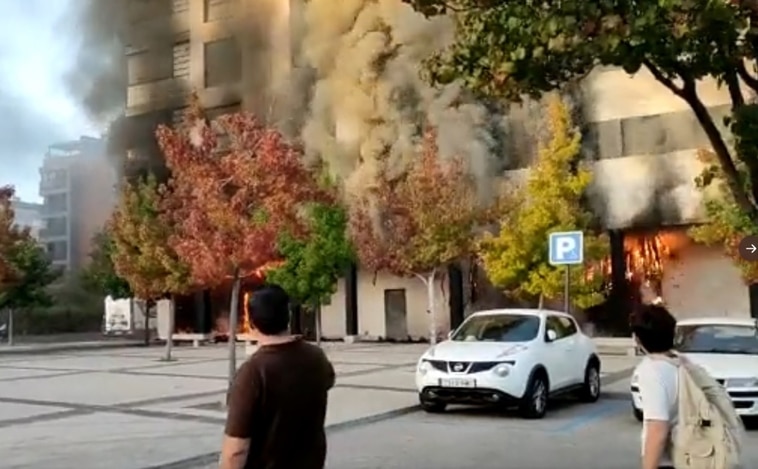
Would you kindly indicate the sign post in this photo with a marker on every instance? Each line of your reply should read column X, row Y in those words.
column 566, row 248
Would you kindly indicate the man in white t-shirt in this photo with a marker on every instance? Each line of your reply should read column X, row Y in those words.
column 653, row 328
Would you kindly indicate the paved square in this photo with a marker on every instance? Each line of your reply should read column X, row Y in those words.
column 126, row 409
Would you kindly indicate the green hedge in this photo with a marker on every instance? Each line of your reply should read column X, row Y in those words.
column 56, row 321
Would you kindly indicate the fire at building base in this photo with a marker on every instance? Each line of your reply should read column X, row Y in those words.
column 644, row 266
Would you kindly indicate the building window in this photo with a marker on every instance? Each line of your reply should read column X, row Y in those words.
column 222, row 62
column 143, row 10
column 215, row 10
column 181, row 56
column 57, row 251
column 57, row 226
column 150, row 65
column 56, row 203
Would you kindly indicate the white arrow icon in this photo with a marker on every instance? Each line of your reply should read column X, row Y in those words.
column 752, row 248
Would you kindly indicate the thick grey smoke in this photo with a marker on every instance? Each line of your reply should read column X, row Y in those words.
column 366, row 104
column 97, row 77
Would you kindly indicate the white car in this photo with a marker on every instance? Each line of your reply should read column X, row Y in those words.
column 510, row 357
column 728, row 349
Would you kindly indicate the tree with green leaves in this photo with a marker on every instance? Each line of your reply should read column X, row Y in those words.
column 141, row 253
column 522, row 47
column 35, row 273
column 516, row 259
column 25, row 269
column 99, row 276
column 312, row 264
column 726, row 224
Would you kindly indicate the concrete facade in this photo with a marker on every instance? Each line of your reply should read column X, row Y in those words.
column 77, row 184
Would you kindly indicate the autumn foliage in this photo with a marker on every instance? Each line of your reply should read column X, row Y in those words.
column 727, row 224
column 9, row 235
column 420, row 222
column 551, row 200
column 139, row 233
column 236, row 184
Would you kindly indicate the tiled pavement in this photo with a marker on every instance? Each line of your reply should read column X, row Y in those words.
column 126, row 409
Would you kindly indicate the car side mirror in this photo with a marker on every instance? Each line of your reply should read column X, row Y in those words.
column 551, row 336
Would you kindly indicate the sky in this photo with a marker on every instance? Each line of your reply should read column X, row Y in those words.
column 36, row 108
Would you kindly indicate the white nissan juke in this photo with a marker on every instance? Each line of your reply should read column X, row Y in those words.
column 510, row 357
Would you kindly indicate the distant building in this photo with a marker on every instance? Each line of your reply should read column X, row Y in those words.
column 77, row 184
column 28, row 215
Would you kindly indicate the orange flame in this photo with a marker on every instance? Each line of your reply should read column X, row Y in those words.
column 246, row 326
column 645, row 258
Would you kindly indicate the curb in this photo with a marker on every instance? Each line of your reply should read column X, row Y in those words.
column 203, row 460
column 16, row 350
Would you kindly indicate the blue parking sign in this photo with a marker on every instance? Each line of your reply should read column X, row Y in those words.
column 566, row 248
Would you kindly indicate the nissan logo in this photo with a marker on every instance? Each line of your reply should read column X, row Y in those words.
column 458, row 367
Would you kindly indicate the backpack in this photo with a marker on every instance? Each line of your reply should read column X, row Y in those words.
column 709, row 433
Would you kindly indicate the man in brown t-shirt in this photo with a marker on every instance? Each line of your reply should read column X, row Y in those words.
column 277, row 403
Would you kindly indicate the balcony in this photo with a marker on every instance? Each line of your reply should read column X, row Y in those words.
column 53, row 185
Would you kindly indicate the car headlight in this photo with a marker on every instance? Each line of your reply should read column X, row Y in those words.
column 424, row 366
column 502, row 370
column 742, row 382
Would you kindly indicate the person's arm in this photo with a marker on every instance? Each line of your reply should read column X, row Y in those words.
column 241, row 405
column 656, row 409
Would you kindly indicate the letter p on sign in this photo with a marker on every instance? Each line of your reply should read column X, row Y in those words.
column 566, row 248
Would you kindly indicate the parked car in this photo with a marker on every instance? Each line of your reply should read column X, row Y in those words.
column 728, row 349
column 3, row 331
column 510, row 357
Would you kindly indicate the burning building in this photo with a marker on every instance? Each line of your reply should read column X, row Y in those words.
column 345, row 81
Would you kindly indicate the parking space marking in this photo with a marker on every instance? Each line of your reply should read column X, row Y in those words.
column 596, row 413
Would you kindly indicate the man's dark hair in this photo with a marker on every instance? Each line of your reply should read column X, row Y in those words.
column 654, row 328
column 269, row 310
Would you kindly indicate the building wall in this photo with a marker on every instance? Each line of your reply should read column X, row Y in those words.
column 371, row 308
column 700, row 281
column 212, row 47
column 642, row 138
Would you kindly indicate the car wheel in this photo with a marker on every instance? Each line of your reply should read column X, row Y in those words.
column 432, row 407
column 534, row 403
column 590, row 391
column 637, row 414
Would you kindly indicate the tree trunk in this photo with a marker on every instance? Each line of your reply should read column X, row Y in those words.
column 233, row 320
column 431, row 307
column 170, row 338
column 317, row 312
column 146, row 332
column 541, row 301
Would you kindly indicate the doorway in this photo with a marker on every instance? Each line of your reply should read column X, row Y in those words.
column 395, row 314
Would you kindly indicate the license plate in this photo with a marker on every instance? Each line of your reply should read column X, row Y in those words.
column 457, row 383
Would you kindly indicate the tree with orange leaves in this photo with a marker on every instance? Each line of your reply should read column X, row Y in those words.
column 418, row 224
column 231, row 197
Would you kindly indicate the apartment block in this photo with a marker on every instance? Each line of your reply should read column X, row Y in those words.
column 77, row 184
column 223, row 50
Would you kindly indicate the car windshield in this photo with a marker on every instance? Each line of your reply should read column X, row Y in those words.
column 717, row 338
column 498, row 328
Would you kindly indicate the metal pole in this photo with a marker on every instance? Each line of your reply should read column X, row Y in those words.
column 10, row 326
column 566, row 291
column 170, row 337
column 233, row 320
